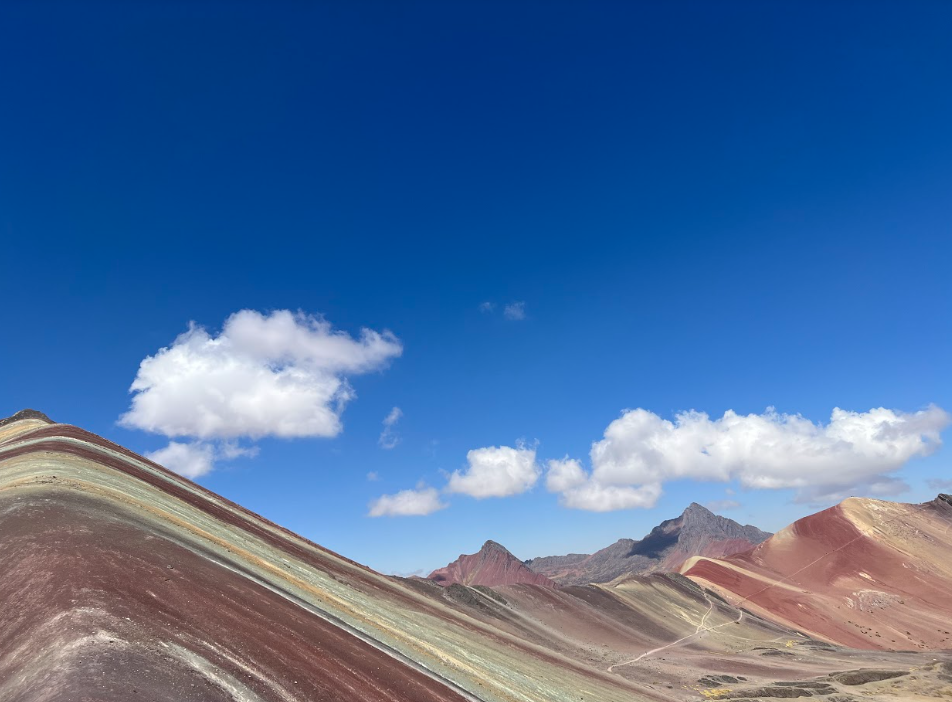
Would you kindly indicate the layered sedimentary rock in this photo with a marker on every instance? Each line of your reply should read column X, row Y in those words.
column 865, row 573
column 491, row 566
column 697, row 532
column 120, row 580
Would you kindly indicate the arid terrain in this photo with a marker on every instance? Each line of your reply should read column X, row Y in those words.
column 865, row 573
column 120, row 580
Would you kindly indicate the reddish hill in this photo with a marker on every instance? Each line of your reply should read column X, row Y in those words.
column 491, row 566
column 865, row 573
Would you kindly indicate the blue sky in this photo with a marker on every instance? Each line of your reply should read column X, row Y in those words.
column 694, row 206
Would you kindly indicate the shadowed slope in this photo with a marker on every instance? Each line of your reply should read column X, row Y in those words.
column 865, row 573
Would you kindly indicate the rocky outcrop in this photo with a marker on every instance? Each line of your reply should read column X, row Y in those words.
column 697, row 532
column 491, row 566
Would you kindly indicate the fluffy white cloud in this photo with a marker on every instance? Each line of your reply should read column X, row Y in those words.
column 281, row 374
column 496, row 471
column 197, row 458
column 564, row 474
column 192, row 460
column 854, row 452
column 579, row 491
column 514, row 311
column 595, row 497
column 407, row 503
column 389, row 437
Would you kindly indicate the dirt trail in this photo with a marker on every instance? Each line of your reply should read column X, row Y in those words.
column 700, row 630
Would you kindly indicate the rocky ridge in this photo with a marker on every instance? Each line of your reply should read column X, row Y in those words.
column 697, row 532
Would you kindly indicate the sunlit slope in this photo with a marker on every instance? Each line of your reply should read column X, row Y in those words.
column 120, row 580
column 865, row 573
column 491, row 566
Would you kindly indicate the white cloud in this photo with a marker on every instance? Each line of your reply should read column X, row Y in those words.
column 487, row 307
column 196, row 458
column 854, row 452
column 722, row 505
column 229, row 450
column 564, row 474
column 595, row 497
column 389, row 437
column 281, row 374
column 373, row 476
column 514, row 311
column 496, row 471
column 192, row 460
column 407, row 503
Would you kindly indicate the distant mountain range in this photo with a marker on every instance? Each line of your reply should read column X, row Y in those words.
column 697, row 532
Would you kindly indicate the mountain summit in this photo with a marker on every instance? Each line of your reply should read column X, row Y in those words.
column 491, row 566
column 697, row 532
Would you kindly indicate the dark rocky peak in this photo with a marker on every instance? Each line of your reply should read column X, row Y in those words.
column 696, row 532
column 697, row 518
column 697, row 513
column 26, row 414
column 495, row 547
column 621, row 548
column 662, row 537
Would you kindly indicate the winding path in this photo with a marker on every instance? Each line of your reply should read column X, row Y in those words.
column 700, row 630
